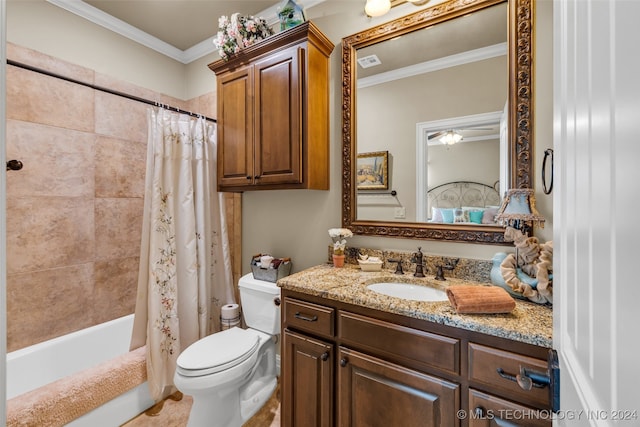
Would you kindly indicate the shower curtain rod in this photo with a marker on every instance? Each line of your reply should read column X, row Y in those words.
column 104, row 89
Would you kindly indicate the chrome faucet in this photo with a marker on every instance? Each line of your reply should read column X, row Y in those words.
column 418, row 259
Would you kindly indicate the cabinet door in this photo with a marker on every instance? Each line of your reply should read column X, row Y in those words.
column 278, row 130
column 307, row 381
column 376, row 393
column 235, row 128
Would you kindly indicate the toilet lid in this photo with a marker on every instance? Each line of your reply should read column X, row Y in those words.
column 218, row 352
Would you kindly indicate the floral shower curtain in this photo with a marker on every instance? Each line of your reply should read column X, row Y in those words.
column 185, row 269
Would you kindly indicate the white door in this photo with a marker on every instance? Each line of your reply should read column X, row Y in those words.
column 597, row 210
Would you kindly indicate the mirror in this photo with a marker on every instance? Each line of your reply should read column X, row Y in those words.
column 490, row 106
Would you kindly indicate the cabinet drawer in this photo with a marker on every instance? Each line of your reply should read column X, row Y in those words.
column 309, row 317
column 486, row 365
column 410, row 346
column 488, row 410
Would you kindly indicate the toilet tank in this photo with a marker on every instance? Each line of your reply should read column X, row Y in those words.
column 258, row 304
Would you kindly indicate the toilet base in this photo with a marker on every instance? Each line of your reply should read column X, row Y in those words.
column 224, row 408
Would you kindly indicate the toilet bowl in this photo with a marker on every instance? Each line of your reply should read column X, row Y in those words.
column 231, row 374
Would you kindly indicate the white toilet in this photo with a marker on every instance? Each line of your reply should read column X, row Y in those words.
column 231, row 374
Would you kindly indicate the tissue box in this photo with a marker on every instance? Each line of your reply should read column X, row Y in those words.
column 270, row 274
column 370, row 265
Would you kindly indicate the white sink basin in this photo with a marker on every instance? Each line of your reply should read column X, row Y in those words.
column 409, row 291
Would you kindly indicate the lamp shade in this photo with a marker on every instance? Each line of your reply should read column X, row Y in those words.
column 518, row 209
column 377, row 7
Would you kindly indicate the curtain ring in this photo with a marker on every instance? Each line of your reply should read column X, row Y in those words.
column 547, row 190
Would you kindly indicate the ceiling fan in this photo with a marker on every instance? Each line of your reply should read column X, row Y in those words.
column 451, row 136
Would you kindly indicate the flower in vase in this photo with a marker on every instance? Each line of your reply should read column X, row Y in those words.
column 238, row 32
column 339, row 238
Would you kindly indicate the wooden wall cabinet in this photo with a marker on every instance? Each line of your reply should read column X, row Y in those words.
column 273, row 113
column 345, row 365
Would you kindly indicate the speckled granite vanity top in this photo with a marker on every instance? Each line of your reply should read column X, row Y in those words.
column 529, row 322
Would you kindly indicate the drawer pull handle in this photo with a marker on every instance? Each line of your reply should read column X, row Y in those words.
column 325, row 356
column 344, row 361
column 481, row 414
column 526, row 379
column 300, row 316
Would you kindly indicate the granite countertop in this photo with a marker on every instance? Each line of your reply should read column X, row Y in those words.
column 529, row 322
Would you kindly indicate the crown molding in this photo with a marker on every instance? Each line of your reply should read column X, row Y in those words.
column 197, row 51
column 468, row 57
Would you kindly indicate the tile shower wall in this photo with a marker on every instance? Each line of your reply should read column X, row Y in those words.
column 74, row 212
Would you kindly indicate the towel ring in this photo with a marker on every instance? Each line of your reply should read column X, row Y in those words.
column 547, row 153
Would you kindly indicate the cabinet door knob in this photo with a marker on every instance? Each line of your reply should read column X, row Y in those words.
column 344, row 361
column 256, row 177
column 480, row 412
column 248, row 177
column 325, row 356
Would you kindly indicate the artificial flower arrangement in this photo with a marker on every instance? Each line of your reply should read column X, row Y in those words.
column 238, row 32
column 339, row 237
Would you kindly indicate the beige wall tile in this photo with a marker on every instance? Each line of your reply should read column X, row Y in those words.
column 77, row 204
column 48, row 303
column 37, row 98
column 49, row 63
column 116, row 284
column 57, row 161
column 118, row 228
column 119, row 117
column 120, row 167
column 103, row 80
column 49, row 232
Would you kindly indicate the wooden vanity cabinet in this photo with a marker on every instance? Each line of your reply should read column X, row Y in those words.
column 375, row 392
column 346, row 365
column 273, row 113
column 307, row 398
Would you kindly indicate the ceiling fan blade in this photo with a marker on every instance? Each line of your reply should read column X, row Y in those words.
column 436, row 134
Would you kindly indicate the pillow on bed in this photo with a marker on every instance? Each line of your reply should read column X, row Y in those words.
column 436, row 215
column 476, row 215
column 488, row 217
column 460, row 215
column 447, row 216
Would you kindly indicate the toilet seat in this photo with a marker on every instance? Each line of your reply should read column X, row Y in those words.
column 218, row 352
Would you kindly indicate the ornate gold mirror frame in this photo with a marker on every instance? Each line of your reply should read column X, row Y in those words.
column 520, row 120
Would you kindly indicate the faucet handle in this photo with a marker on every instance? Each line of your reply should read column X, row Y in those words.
column 398, row 265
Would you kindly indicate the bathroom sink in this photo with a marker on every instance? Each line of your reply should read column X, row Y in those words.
column 409, row 291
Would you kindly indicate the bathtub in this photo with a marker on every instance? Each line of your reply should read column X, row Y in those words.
column 40, row 364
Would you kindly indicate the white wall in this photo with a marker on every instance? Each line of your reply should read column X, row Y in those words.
column 290, row 222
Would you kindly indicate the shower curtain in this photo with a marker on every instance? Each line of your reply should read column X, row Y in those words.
column 185, row 269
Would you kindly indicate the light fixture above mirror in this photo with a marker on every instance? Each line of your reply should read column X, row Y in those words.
column 374, row 8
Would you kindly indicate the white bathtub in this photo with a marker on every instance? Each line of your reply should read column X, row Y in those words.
column 40, row 364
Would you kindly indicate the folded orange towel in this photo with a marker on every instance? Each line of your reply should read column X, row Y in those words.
column 470, row 299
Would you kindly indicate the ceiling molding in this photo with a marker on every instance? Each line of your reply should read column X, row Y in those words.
column 480, row 54
column 197, row 51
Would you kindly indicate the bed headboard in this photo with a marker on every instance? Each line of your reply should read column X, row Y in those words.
column 463, row 194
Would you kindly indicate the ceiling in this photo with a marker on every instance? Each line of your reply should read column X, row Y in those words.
column 181, row 29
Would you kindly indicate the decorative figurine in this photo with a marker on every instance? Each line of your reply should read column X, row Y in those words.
column 290, row 14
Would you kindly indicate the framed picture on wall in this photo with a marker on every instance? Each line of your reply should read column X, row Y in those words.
column 372, row 171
